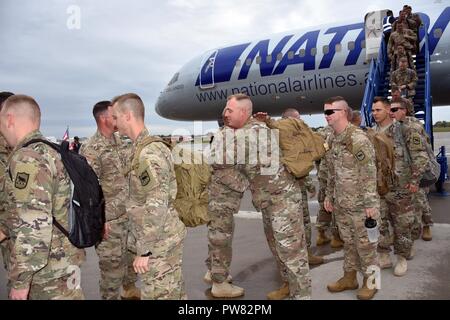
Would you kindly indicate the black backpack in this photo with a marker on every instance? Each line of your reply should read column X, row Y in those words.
column 87, row 204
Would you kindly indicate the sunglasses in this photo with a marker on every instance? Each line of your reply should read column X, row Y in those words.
column 395, row 109
column 329, row 112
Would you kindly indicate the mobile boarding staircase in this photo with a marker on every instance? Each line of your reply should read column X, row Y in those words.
column 378, row 85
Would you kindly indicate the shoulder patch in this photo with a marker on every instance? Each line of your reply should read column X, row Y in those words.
column 360, row 155
column 144, row 178
column 21, row 180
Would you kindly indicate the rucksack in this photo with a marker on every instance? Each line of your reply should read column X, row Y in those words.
column 191, row 201
column 87, row 203
column 384, row 158
column 433, row 170
column 300, row 145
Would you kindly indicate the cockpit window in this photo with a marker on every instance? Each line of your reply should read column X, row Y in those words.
column 174, row 79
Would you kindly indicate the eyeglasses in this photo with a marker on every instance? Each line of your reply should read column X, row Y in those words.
column 329, row 112
column 395, row 109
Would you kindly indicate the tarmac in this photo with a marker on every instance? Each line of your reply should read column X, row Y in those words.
column 253, row 266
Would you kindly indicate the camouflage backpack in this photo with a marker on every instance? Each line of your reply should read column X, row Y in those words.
column 300, row 145
column 384, row 158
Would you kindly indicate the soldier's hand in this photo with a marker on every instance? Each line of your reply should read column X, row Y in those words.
column 140, row 265
column 371, row 212
column 106, row 230
column 313, row 193
column 260, row 116
column 328, row 205
column 413, row 187
column 19, row 294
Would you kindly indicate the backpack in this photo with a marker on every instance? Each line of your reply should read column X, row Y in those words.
column 300, row 145
column 87, row 204
column 384, row 158
column 191, row 201
column 433, row 170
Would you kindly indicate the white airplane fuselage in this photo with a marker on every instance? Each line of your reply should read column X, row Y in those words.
column 295, row 69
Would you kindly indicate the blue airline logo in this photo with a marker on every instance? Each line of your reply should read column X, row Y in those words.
column 224, row 59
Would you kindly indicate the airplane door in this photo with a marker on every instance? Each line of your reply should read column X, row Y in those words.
column 207, row 71
column 373, row 26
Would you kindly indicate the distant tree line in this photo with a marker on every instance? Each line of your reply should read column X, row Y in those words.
column 442, row 124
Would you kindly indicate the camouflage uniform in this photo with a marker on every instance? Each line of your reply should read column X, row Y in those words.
column 399, row 199
column 277, row 195
column 4, row 153
column 154, row 221
column 306, row 185
column 422, row 207
column 225, row 192
column 353, row 165
column 42, row 258
column 406, row 77
column 407, row 39
column 108, row 158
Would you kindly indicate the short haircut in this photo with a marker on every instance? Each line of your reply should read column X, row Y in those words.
column 131, row 102
column 403, row 59
column 3, row 96
column 401, row 102
column 389, row 13
column 100, row 108
column 334, row 99
column 24, row 106
column 290, row 112
column 355, row 114
column 383, row 100
column 247, row 102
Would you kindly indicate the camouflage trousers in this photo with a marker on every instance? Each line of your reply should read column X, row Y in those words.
column 400, row 213
column 385, row 233
column 285, row 233
column 359, row 253
column 223, row 204
column 56, row 289
column 306, row 217
column 423, row 213
column 131, row 276
column 325, row 220
column 114, row 258
column 164, row 280
column 6, row 252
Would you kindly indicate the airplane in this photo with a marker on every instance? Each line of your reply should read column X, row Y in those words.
column 298, row 69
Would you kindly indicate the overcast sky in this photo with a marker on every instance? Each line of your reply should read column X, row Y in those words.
column 137, row 46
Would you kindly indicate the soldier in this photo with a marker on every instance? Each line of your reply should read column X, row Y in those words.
column 401, row 37
column 107, row 154
column 395, row 58
column 407, row 140
column 154, row 222
column 4, row 153
column 380, row 112
column 404, row 79
column 352, row 165
column 275, row 193
column 225, row 192
column 356, row 118
column 396, row 94
column 42, row 257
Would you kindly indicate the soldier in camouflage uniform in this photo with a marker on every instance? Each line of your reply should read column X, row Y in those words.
column 275, row 193
column 44, row 264
column 225, row 192
column 399, row 199
column 107, row 154
column 154, row 222
column 404, row 79
column 353, row 165
column 401, row 37
column 5, row 150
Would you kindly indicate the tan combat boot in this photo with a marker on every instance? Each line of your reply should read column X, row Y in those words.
column 412, row 253
column 347, row 282
column 426, row 233
column 336, row 242
column 322, row 238
column 385, row 260
column 279, row 294
column 401, row 266
column 226, row 290
column 314, row 260
column 130, row 292
column 365, row 293
column 207, row 278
